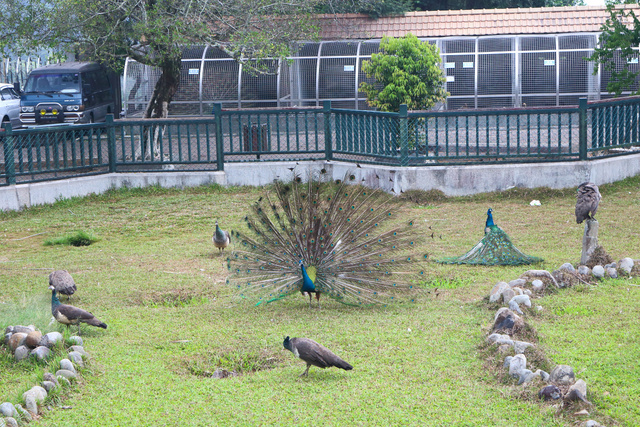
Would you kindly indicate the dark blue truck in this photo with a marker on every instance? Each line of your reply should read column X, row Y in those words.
column 70, row 92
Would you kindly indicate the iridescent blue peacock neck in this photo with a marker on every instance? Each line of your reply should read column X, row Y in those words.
column 324, row 238
column 495, row 248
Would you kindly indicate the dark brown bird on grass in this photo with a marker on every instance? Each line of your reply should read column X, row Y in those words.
column 70, row 315
column 314, row 354
column 587, row 201
column 63, row 283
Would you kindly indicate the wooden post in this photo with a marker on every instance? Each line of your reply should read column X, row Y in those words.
column 589, row 240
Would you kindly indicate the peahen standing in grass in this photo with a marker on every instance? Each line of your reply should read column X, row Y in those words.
column 63, row 283
column 587, row 201
column 495, row 248
column 221, row 238
column 325, row 239
column 70, row 315
column 314, row 354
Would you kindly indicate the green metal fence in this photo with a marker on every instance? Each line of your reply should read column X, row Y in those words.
column 583, row 132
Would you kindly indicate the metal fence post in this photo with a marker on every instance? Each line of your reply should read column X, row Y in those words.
column 582, row 123
column 328, row 140
column 217, row 116
column 9, row 161
column 403, row 123
column 111, row 142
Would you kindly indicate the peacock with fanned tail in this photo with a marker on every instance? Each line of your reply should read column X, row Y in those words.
column 495, row 248
column 325, row 238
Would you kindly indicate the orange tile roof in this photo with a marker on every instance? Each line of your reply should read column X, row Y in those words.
column 475, row 22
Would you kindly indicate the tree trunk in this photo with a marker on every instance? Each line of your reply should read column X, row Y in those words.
column 158, row 107
column 589, row 240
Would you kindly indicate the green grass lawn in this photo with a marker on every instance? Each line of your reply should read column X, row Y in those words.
column 155, row 278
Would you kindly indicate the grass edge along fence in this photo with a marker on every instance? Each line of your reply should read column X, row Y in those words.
column 418, row 138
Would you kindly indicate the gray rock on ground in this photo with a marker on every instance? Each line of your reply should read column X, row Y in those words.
column 577, row 392
column 626, row 264
column 24, row 414
column 50, row 339
column 584, row 270
column 48, row 385
column 612, row 272
column 66, row 374
column 592, row 423
column 526, row 376
column 7, row 409
column 23, row 329
column 41, row 352
column 507, row 294
column 522, row 299
column 67, row 365
column 50, row 377
column 519, row 347
column 567, row 267
column 39, row 393
column 500, row 339
column 538, row 274
column 11, row 422
column 76, row 340
column 496, row 292
column 514, row 306
column 76, row 358
column 537, row 285
column 79, row 349
column 21, row 353
column 520, row 283
column 598, row 271
column 562, row 375
column 517, row 365
column 31, row 404
column 507, row 361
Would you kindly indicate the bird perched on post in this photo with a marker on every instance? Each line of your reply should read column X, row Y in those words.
column 63, row 283
column 70, row 315
column 588, row 198
column 221, row 238
column 314, row 354
column 495, row 248
column 324, row 239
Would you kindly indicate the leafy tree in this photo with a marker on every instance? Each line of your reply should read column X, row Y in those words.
column 405, row 72
column 620, row 35
column 374, row 8
column 154, row 32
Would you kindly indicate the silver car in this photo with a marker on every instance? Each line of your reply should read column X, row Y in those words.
column 9, row 106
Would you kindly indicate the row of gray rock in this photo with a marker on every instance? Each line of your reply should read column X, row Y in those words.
column 517, row 298
column 27, row 341
column 600, row 272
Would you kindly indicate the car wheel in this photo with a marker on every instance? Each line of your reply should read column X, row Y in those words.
column 5, row 122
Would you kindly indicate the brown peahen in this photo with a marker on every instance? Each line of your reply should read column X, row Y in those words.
column 70, row 315
column 587, row 201
column 495, row 248
column 63, row 283
column 314, row 354
column 324, row 238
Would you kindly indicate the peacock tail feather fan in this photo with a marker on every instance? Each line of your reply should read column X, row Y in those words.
column 324, row 238
column 495, row 248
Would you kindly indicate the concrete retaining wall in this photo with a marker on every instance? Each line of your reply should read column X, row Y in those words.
column 452, row 180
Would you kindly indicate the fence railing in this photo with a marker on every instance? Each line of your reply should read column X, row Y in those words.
column 583, row 132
